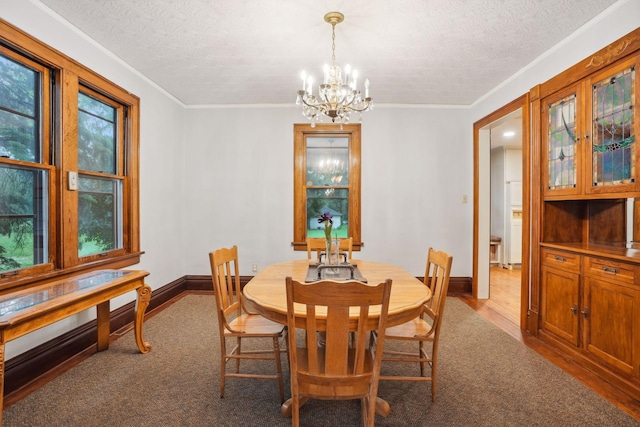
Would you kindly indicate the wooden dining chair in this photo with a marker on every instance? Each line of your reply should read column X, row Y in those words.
column 235, row 321
column 319, row 244
column 336, row 370
column 425, row 329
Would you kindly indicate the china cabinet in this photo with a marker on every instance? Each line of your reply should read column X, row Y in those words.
column 585, row 258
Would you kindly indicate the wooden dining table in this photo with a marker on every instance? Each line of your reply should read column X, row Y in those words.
column 266, row 294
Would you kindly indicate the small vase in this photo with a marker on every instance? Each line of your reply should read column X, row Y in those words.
column 333, row 255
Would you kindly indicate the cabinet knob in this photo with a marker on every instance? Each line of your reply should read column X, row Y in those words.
column 585, row 312
column 574, row 309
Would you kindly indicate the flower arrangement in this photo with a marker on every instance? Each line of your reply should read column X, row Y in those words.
column 328, row 224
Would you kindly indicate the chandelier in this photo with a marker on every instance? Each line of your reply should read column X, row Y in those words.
column 338, row 95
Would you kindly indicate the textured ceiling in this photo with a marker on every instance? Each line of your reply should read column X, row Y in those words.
column 206, row 52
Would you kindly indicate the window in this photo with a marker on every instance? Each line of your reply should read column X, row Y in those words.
column 68, row 165
column 326, row 178
column 101, row 175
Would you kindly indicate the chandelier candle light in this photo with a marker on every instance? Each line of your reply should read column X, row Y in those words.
column 338, row 95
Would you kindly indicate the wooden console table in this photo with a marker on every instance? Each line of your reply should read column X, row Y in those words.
column 26, row 310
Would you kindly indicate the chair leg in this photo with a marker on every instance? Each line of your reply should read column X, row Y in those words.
column 368, row 408
column 433, row 381
column 276, row 353
column 239, row 347
column 223, row 364
column 286, row 347
column 421, row 355
column 295, row 412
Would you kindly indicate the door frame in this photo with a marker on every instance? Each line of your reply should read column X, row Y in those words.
column 523, row 103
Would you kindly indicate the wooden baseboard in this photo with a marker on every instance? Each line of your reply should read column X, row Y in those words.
column 37, row 366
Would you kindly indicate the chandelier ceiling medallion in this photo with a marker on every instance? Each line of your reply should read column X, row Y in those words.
column 338, row 95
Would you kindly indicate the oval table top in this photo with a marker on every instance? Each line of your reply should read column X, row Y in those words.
column 266, row 294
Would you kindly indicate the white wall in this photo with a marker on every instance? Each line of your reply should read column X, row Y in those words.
column 416, row 166
column 162, row 157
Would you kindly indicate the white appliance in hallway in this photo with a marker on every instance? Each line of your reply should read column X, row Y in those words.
column 513, row 224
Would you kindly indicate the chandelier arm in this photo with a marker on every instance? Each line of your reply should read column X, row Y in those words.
column 360, row 110
column 349, row 106
column 316, row 106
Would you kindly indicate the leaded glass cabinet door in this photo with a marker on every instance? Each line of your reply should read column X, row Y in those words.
column 613, row 121
column 562, row 136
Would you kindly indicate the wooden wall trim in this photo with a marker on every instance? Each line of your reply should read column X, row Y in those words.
column 625, row 46
column 523, row 103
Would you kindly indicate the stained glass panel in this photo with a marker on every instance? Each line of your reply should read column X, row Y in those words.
column 562, row 144
column 612, row 131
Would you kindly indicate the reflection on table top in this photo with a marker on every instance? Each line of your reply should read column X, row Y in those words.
column 13, row 302
column 266, row 291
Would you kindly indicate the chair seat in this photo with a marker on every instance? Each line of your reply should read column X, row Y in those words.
column 416, row 328
column 254, row 324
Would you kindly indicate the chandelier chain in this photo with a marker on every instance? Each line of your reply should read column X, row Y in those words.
column 333, row 43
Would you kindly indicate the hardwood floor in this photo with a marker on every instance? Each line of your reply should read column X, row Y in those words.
column 503, row 310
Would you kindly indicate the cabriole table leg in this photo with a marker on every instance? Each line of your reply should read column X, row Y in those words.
column 142, row 302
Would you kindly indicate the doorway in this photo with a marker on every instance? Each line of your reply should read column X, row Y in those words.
column 505, row 255
column 497, row 213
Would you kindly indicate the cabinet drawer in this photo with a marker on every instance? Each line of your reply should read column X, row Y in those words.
column 610, row 270
column 559, row 259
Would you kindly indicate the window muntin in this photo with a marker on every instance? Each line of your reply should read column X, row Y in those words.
column 326, row 177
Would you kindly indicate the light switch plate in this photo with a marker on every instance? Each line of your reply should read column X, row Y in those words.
column 72, row 180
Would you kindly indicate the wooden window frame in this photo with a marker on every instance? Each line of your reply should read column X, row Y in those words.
column 301, row 132
column 60, row 156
